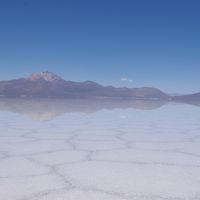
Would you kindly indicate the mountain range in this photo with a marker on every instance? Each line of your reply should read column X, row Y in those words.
column 49, row 85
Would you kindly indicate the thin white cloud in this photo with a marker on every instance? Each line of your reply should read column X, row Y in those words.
column 126, row 79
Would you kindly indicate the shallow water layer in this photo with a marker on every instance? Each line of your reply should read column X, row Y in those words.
column 99, row 150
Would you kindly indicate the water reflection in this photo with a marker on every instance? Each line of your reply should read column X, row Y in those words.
column 126, row 153
column 46, row 109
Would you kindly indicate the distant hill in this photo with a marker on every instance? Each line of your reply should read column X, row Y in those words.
column 188, row 98
column 49, row 85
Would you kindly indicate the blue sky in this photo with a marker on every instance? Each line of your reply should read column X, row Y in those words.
column 120, row 42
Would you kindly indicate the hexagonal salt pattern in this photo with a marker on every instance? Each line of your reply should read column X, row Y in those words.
column 119, row 154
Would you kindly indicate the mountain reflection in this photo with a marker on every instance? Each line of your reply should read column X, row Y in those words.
column 47, row 109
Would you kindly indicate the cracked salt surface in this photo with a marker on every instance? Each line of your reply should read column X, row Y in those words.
column 147, row 155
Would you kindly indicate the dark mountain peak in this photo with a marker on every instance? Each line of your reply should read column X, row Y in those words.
column 47, row 76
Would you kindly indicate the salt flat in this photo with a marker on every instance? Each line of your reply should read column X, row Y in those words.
column 105, row 154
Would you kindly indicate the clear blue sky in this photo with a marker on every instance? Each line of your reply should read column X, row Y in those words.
column 151, row 42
